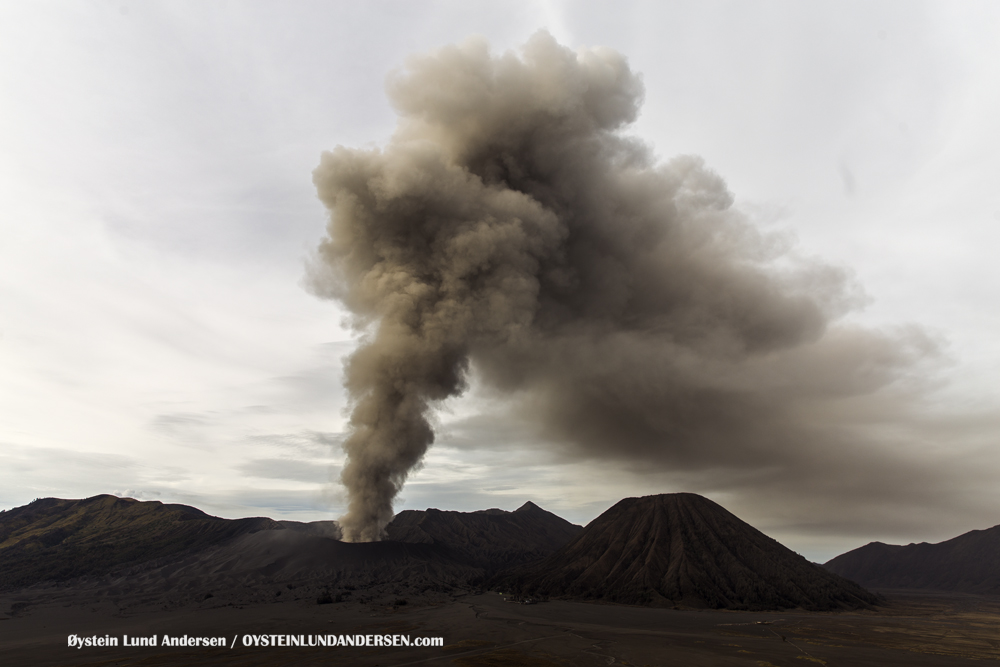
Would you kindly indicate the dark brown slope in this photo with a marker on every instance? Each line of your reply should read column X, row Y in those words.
column 106, row 538
column 293, row 563
column 684, row 549
column 969, row 563
column 53, row 539
column 489, row 539
column 429, row 549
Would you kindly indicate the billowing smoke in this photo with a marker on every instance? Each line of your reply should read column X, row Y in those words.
column 509, row 224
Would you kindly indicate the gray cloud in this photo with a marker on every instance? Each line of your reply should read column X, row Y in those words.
column 297, row 504
column 181, row 425
column 291, row 469
column 66, row 473
column 316, row 387
column 510, row 224
column 303, row 445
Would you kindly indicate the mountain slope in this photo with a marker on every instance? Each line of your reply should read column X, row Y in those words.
column 969, row 563
column 685, row 549
column 53, row 539
column 490, row 539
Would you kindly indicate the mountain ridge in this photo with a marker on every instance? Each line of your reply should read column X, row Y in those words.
column 53, row 539
column 968, row 563
column 56, row 539
column 492, row 539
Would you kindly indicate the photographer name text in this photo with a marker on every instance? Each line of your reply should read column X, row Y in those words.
column 252, row 641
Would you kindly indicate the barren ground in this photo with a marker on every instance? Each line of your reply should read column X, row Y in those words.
column 481, row 630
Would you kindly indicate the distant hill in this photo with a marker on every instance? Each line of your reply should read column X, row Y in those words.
column 969, row 563
column 489, row 539
column 684, row 549
column 54, row 540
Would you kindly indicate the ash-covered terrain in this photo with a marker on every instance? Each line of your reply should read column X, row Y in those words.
column 693, row 584
column 154, row 554
column 56, row 540
column 667, row 550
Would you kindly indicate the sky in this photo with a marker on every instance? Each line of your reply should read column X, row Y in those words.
column 157, row 212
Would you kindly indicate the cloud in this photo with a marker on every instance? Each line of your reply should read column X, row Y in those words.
column 310, row 471
column 624, row 307
column 181, row 425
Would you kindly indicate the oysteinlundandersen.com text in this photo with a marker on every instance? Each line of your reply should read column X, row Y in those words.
column 262, row 641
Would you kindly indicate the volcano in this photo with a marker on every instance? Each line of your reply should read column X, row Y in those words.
column 666, row 550
column 157, row 544
column 683, row 549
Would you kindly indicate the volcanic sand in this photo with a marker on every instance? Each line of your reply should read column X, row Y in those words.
column 481, row 630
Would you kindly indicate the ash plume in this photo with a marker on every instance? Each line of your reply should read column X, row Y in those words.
column 510, row 224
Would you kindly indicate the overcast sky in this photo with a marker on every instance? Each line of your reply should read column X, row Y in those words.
column 157, row 209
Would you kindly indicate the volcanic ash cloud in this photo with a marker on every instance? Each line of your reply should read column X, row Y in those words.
column 510, row 224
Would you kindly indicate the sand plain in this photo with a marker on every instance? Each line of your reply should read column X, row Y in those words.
column 482, row 630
